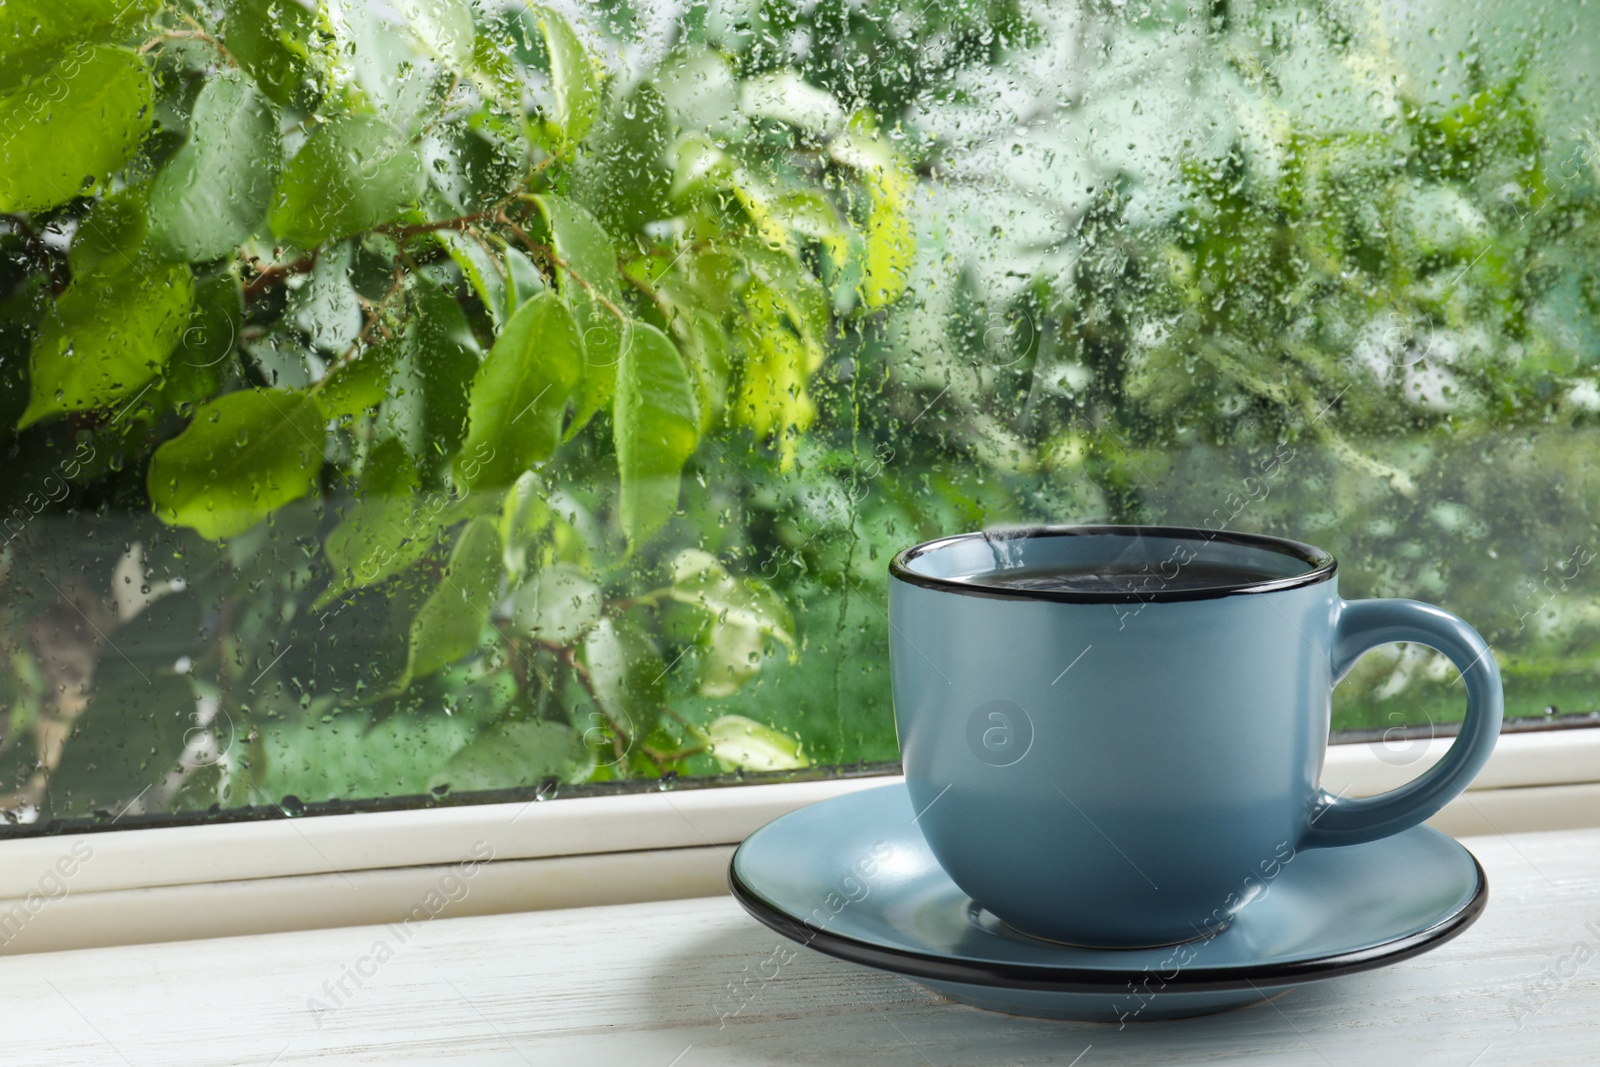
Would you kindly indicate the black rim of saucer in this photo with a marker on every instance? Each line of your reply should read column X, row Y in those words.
column 1322, row 566
column 1144, row 981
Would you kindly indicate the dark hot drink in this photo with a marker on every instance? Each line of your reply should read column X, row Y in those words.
column 1123, row 578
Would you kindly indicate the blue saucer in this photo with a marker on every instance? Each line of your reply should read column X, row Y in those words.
column 852, row 877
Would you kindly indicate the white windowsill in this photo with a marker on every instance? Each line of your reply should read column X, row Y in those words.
column 130, row 886
column 698, row 983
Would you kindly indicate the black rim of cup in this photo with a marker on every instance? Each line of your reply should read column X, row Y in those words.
column 1321, row 565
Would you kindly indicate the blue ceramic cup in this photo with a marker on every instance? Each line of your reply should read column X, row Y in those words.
column 1128, row 756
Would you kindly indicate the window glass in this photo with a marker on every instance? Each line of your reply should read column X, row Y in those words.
column 422, row 400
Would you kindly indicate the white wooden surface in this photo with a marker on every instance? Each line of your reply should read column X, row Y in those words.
column 648, row 984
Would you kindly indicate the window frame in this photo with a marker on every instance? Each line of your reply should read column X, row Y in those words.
column 222, row 879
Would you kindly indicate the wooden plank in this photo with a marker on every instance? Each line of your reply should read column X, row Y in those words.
column 665, row 984
column 149, row 857
column 358, row 898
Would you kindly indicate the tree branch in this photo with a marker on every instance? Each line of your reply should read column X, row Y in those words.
column 620, row 741
column 461, row 222
column 276, row 273
column 669, row 313
column 188, row 35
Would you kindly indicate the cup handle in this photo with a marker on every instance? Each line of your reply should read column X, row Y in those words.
column 1361, row 625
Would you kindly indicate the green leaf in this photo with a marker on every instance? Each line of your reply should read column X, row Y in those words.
column 780, row 217
column 700, row 580
column 525, row 279
column 772, row 398
column 604, row 338
column 109, row 336
column 792, row 291
column 657, row 430
column 559, row 604
column 706, row 356
column 890, row 186
column 709, row 278
column 513, row 754
column 731, row 655
column 483, row 272
column 623, row 175
column 890, row 245
column 352, row 174
column 490, row 150
column 112, row 237
column 380, row 63
column 243, row 456
column 442, row 27
column 359, row 384
column 34, row 34
column 786, row 96
column 453, row 616
column 494, row 68
column 741, row 615
column 389, row 527
column 213, row 193
column 327, row 308
column 65, row 134
column 811, row 215
column 432, row 379
column 387, row 471
column 380, row 537
column 524, row 515
column 745, row 744
column 627, row 675
column 699, row 167
column 445, row 355
column 272, row 40
column 519, row 392
column 203, row 357
column 573, row 78
column 582, row 244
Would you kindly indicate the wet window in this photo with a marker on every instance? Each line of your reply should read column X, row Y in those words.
column 430, row 400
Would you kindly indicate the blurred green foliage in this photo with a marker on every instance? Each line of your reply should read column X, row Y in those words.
column 448, row 396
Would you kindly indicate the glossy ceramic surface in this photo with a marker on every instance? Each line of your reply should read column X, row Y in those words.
column 1110, row 768
column 853, row 877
